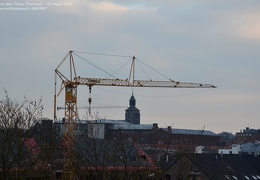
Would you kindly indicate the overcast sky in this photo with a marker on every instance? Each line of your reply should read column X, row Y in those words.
column 216, row 42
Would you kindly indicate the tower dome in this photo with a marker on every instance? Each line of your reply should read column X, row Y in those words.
column 132, row 101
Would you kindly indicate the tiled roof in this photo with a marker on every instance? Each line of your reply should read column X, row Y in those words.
column 250, row 147
column 191, row 132
column 223, row 166
column 133, row 126
column 109, row 121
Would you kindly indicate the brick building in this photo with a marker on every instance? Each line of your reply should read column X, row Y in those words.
column 150, row 137
column 247, row 135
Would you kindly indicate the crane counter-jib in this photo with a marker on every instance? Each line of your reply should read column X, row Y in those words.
column 138, row 83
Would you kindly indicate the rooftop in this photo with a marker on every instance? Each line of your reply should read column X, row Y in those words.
column 191, row 132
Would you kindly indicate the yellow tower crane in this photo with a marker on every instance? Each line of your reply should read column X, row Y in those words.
column 70, row 84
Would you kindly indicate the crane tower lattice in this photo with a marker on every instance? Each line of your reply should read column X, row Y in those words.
column 70, row 84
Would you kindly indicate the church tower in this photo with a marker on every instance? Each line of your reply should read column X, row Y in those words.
column 132, row 114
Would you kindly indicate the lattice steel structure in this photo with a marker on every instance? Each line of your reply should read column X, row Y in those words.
column 70, row 85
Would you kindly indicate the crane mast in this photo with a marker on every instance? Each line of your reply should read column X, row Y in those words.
column 70, row 84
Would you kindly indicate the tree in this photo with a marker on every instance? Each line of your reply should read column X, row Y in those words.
column 18, row 149
column 111, row 158
column 226, row 136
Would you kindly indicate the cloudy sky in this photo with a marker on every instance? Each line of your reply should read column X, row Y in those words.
column 216, row 42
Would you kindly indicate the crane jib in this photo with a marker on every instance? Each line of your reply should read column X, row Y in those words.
column 138, row 83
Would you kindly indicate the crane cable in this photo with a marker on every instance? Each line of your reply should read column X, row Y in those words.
column 112, row 75
column 90, row 88
column 121, row 67
column 95, row 66
column 154, row 69
column 115, row 55
column 102, row 54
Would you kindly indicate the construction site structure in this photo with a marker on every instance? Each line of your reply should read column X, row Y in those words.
column 70, row 84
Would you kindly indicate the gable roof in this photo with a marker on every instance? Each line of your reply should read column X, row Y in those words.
column 216, row 166
column 250, row 148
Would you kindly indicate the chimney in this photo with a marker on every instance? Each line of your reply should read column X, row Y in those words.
column 169, row 129
column 155, row 126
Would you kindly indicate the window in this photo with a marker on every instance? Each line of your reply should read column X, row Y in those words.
column 144, row 158
column 167, row 177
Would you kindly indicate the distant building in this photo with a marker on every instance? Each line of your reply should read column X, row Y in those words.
column 235, row 149
column 158, row 141
column 247, row 135
column 206, row 149
column 149, row 136
column 154, row 140
column 251, row 148
column 132, row 114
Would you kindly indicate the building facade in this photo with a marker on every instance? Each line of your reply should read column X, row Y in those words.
column 132, row 114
